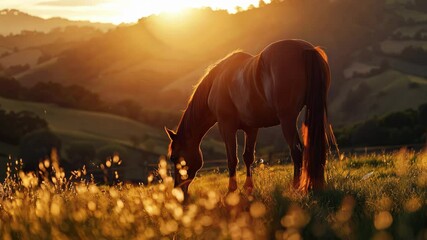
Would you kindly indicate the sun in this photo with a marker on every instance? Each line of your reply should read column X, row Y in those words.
column 132, row 10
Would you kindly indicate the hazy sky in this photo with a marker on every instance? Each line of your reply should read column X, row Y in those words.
column 115, row 11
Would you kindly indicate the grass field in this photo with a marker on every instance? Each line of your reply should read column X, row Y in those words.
column 77, row 125
column 87, row 124
column 143, row 143
column 379, row 196
column 99, row 129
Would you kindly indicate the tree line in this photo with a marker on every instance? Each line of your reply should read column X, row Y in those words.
column 37, row 146
column 397, row 128
column 78, row 97
column 36, row 142
column 15, row 125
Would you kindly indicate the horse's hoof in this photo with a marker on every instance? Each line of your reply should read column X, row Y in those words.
column 248, row 190
column 248, row 186
column 232, row 184
column 231, row 189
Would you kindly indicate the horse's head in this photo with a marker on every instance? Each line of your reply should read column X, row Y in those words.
column 186, row 159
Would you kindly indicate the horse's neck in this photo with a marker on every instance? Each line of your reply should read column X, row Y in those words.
column 195, row 122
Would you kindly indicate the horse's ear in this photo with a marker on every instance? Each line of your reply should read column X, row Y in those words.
column 171, row 134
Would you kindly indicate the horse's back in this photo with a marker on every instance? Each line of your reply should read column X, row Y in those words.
column 219, row 101
column 237, row 93
column 284, row 74
column 255, row 90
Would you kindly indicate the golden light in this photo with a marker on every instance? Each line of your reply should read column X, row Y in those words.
column 122, row 11
column 132, row 10
column 135, row 9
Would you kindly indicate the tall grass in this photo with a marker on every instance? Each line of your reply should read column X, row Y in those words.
column 379, row 196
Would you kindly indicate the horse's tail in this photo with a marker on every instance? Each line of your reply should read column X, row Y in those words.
column 315, row 125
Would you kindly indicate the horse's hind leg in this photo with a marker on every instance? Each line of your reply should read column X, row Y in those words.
column 249, row 156
column 290, row 133
column 228, row 133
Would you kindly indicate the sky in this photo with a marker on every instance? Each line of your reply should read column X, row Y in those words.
column 116, row 11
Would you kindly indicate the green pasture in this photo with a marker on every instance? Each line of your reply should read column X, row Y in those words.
column 92, row 125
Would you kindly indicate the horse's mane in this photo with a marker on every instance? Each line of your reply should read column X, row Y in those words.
column 199, row 98
column 206, row 80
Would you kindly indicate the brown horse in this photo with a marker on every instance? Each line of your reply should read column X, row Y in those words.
column 249, row 92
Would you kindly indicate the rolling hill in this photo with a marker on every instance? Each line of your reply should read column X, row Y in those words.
column 30, row 51
column 143, row 144
column 384, row 76
column 378, row 95
column 13, row 21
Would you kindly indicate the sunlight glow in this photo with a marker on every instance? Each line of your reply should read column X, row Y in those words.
column 121, row 11
column 132, row 10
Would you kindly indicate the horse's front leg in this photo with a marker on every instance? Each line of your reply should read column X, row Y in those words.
column 228, row 134
column 249, row 156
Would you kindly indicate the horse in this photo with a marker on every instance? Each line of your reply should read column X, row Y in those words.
column 246, row 92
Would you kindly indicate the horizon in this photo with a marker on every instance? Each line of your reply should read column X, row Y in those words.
column 118, row 12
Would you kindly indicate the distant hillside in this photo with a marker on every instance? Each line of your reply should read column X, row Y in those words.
column 161, row 58
column 37, row 43
column 387, row 75
column 13, row 21
column 31, row 50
